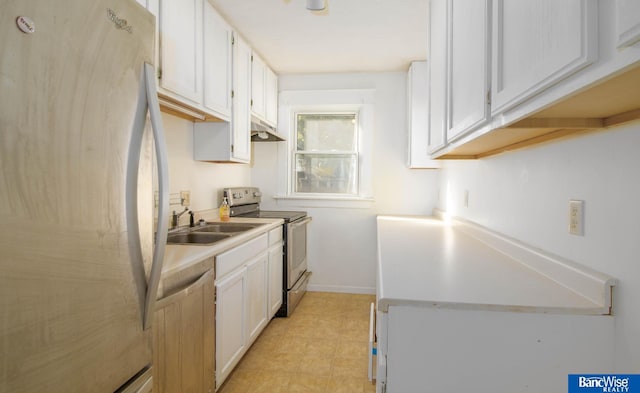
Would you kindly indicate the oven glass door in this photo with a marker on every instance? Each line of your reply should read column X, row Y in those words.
column 296, row 250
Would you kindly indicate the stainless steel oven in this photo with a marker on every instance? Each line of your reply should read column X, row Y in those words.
column 245, row 202
column 296, row 274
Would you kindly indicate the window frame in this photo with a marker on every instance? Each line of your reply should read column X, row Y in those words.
column 342, row 100
column 294, row 152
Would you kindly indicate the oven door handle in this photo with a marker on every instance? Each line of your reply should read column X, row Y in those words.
column 300, row 223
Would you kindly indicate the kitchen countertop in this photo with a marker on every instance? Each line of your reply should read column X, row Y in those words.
column 185, row 263
column 424, row 261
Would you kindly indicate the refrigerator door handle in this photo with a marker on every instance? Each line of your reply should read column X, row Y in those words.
column 163, row 191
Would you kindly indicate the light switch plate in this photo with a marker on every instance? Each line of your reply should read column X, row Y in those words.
column 576, row 217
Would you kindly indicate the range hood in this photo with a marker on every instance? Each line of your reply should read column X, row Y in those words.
column 262, row 132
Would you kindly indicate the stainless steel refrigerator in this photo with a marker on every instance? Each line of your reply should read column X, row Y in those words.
column 79, row 261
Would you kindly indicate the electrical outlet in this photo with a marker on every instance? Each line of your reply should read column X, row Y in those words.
column 466, row 198
column 576, row 217
column 185, row 198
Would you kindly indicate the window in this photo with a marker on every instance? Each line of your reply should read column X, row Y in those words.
column 327, row 160
column 326, row 154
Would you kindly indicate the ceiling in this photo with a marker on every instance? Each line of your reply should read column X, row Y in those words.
column 349, row 36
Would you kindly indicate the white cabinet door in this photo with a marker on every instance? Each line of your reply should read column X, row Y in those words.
column 241, row 121
column 180, row 27
column 537, row 43
column 258, row 73
column 437, row 74
column 218, row 36
column 418, row 116
column 271, row 97
column 230, row 323
column 275, row 279
column 627, row 22
column 468, row 67
column 256, row 297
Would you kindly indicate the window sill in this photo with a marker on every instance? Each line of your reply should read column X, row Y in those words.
column 324, row 201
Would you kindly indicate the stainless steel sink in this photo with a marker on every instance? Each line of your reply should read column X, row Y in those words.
column 209, row 234
column 226, row 227
column 196, row 238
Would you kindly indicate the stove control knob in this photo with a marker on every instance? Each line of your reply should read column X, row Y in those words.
column 257, row 194
column 237, row 195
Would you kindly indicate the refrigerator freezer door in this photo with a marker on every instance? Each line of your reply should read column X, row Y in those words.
column 70, row 307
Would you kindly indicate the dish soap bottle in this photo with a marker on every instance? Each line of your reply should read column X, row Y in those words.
column 224, row 210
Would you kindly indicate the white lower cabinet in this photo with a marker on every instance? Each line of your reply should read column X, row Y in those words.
column 245, row 297
column 427, row 349
column 230, row 333
column 256, row 296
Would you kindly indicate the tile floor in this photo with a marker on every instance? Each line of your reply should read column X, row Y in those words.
column 321, row 348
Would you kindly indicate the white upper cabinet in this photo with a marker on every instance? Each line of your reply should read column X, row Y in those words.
column 553, row 68
column 180, row 29
column 271, row 97
column 241, row 119
column 418, row 116
column 437, row 55
column 538, row 43
column 224, row 141
column 264, row 91
column 468, row 66
column 627, row 22
column 258, row 74
column 218, row 36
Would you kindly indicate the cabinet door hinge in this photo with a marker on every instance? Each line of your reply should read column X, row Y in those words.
column 489, row 97
column 233, row 39
column 251, row 102
column 232, row 148
column 232, row 93
column 159, row 73
column 252, row 58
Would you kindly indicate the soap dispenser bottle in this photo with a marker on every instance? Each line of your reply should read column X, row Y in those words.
column 224, row 210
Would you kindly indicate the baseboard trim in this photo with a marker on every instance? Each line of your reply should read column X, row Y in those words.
column 341, row 289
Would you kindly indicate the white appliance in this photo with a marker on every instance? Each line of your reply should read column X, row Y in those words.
column 79, row 267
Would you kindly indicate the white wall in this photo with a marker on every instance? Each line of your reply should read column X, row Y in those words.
column 342, row 241
column 205, row 180
column 525, row 195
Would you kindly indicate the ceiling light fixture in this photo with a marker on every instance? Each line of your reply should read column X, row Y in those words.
column 315, row 5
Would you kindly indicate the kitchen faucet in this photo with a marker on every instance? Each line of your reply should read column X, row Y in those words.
column 176, row 216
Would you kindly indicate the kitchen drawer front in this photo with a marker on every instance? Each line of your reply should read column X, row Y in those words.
column 275, row 236
column 236, row 257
